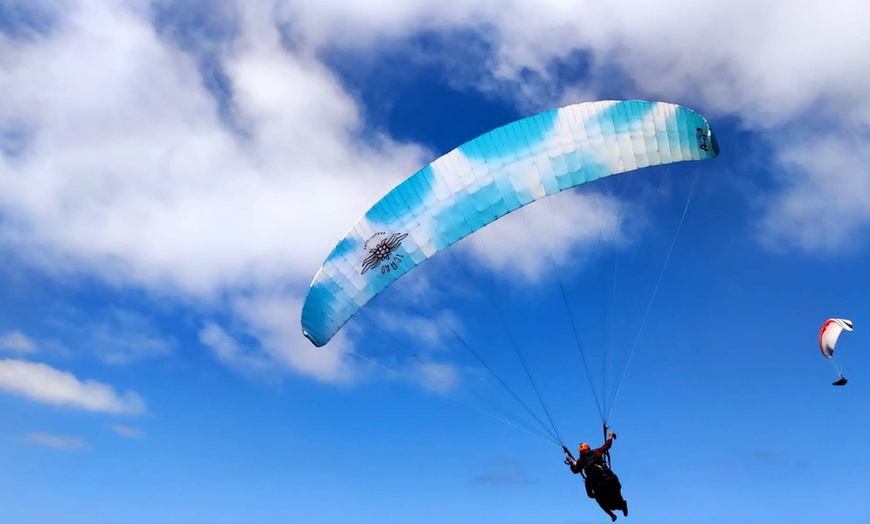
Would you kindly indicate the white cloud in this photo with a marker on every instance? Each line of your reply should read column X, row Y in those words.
column 776, row 65
column 768, row 59
column 148, row 186
column 129, row 172
column 18, row 342
column 280, row 345
column 572, row 225
column 426, row 327
column 128, row 168
column 65, row 442
column 228, row 351
column 826, row 196
column 266, row 317
column 43, row 383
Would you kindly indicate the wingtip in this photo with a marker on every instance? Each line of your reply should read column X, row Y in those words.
column 311, row 339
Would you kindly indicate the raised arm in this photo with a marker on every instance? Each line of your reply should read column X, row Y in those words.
column 606, row 446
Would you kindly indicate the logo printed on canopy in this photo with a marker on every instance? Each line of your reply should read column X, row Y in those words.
column 380, row 249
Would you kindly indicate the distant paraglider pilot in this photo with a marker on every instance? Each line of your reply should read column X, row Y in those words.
column 602, row 484
column 828, row 336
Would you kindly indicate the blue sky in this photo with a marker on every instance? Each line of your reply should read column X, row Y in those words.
column 173, row 175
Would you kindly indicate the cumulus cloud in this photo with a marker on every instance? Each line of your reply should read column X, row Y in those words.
column 149, row 186
column 826, row 195
column 65, row 442
column 781, row 67
column 18, row 342
column 529, row 242
column 45, row 384
column 218, row 170
column 765, row 61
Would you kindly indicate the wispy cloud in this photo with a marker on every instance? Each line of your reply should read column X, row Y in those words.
column 442, row 377
column 773, row 458
column 43, row 383
column 113, row 335
column 65, row 442
column 427, row 327
column 18, row 342
column 126, row 336
column 231, row 353
column 504, row 473
column 127, row 431
column 280, row 345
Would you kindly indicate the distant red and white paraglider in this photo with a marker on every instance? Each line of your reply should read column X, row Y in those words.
column 828, row 337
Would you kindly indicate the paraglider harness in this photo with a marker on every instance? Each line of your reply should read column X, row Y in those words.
column 599, row 464
column 596, row 469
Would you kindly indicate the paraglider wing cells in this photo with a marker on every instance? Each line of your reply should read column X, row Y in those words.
column 487, row 178
column 830, row 333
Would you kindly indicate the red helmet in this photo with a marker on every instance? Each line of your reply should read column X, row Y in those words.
column 583, row 447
